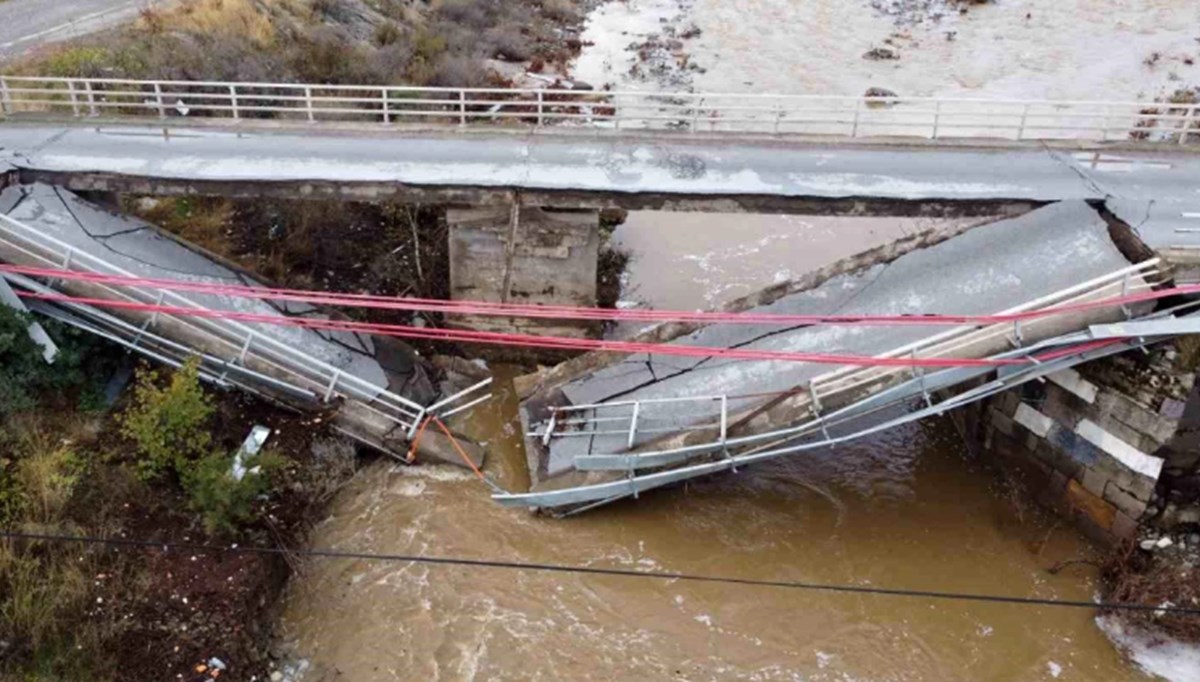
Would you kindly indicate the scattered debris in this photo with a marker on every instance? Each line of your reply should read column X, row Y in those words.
column 881, row 54
column 875, row 94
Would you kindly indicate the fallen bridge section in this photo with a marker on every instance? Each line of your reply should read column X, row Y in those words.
column 378, row 403
column 653, row 411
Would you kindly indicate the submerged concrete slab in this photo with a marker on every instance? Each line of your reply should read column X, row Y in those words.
column 985, row 270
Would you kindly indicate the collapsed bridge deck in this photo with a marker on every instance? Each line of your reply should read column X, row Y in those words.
column 600, row 418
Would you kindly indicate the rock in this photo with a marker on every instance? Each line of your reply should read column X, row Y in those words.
column 276, row 676
column 1147, row 544
column 1164, row 542
column 878, row 93
column 879, row 54
column 1194, row 539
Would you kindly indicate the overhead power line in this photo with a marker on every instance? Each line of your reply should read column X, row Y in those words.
column 113, row 543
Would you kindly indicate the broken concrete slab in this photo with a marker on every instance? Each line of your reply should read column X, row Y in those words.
column 53, row 220
column 984, row 270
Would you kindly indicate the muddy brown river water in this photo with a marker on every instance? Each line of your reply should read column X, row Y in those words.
column 907, row 509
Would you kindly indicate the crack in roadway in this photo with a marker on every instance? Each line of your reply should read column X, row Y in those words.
column 706, row 365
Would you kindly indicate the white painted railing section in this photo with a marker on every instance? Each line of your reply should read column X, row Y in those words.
column 924, row 117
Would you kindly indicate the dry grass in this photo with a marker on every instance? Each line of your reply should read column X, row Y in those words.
column 320, row 41
column 242, row 18
column 48, row 590
column 203, row 221
column 1133, row 576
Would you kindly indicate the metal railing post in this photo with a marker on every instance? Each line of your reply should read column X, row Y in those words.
column 162, row 109
column 724, row 418
column 633, row 424
column 1187, row 125
column 5, row 97
column 541, row 109
column 462, row 107
column 1024, row 120
column 74, row 98
column 778, row 120
column 333, row 382
column 1107, row 123
column 387, row 114
column 937, row 117
column 233, row 102
column 696, row 114
column 857, row 109
column 91, row 98
column 308, row 105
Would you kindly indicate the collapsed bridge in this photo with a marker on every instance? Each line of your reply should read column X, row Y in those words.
column 601, row 428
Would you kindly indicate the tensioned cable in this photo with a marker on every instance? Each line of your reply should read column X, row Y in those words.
column 533, row 341
column 374, row 301
column 112, row 543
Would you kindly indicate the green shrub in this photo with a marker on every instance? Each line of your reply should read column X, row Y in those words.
column 387, row 33
column 168, row 423
column 84, row 61
column 222, row 501
column 26, row 377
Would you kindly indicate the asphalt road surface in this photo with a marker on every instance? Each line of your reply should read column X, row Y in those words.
column 25, row 24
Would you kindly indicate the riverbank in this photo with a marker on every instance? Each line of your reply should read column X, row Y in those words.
column 72, row 464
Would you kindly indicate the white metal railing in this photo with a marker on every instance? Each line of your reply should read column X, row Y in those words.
column 619, row 426
column 236, row 343
column 927, row 117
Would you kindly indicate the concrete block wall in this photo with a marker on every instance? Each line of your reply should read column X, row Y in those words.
column 1087, row 442
column 524, row 256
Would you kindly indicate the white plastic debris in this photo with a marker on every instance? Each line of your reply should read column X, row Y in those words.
column 216, row 663
column 1164, row 542
column 249, row 450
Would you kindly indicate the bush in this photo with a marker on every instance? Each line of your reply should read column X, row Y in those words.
column 26, row 377
column 222, row 501
column 387, row 33
column 168, row 423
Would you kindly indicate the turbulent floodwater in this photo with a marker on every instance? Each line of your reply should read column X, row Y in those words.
column 904, row 510
column 907, row 509
column 1066, row 49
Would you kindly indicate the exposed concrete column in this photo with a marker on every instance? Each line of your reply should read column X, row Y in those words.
column 522, row 255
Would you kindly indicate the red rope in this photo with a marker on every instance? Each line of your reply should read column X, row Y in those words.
column 530, row 341
column 579, row 313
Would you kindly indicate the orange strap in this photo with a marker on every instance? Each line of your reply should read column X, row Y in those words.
column 412, row 450
column 454, row 442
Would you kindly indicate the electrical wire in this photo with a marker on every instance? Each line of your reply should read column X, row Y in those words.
column 113, row 543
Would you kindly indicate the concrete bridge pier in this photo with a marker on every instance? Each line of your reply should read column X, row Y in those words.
column 1110, row 445
column 524, row 255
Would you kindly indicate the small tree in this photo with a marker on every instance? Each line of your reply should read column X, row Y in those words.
column 169, row 423
column 222, row 501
